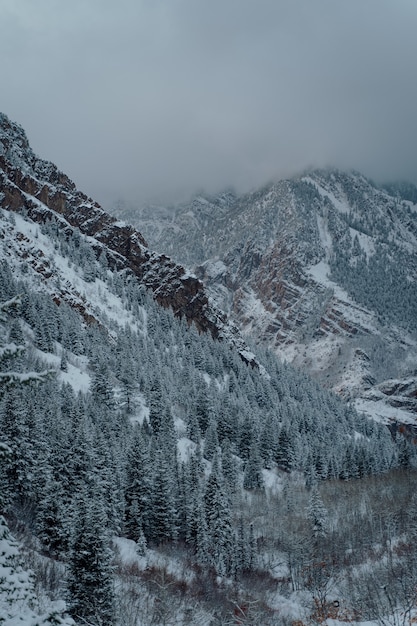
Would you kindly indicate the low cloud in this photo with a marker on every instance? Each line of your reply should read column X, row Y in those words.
column 151, row 100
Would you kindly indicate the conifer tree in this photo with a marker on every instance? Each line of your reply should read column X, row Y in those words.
column 193, row 499
column 219, row 523
column 101, row 388
column 268, row 440
column 211, row 442
column 285, row 449
column 53, row 519
column 202, row 538
column 138, row 488
column 193, row 429
column 90, row 579
column 202, row 406
column 317, row 514
column 230, row 467
column 252, row 478
column 15, row 434
column 156, row 405
column 163, row 510
column 15, row 582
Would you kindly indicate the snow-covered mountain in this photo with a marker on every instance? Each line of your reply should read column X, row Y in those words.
column 153, row 470
column 322, row 267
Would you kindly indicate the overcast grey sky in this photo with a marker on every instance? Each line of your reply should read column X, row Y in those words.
column 153, row 99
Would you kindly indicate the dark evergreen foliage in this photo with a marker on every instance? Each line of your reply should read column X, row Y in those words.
column 90, row 581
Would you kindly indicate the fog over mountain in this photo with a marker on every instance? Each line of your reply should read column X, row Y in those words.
column 152, row 100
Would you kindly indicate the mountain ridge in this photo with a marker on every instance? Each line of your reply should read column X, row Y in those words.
column 38, row 187
column 320, row 267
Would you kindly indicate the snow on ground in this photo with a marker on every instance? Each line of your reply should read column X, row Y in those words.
column 187, row 274
column 365, row 241
column 52, row 360
column 254, row 313
column 102, row 302
column 382, row 412
column 185, row 448
column 222, row 385
column 76, row 374
column 127, row 550
column 180, row 426
column 351, row 311
column 325, row 236
column 19, row 604
column 128, row 555
column 341, row 206
column 316, row 356
column 207, row 378
column 77, row 378
column 141, row 410
column 320, row 272
column 293, row 608
column 273, row 482
column 215, row 268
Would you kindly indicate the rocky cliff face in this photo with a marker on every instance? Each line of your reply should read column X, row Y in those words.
column 323, row 268
column 37, row 188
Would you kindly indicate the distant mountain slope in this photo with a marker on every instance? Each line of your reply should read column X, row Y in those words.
column 322, row 267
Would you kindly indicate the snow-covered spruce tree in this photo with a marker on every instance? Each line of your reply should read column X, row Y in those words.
column 138, row 487
column 157, row 406
column 230, row 467
column 163, row 512
column 268, row 440
column 53, row 518
column 246, row 435
column 245, row 548
column 192, row 499
column 193, row 429
column 285, row 449
column 211, row 440
column 15, row 583
column 202, row 406
column 317, row 515
column 90, row 583
column 101, row 388
column 252, row 478
column 202, row 548
column 226, row 420
column 219, row 522
column 9, row 350
column 13, row 421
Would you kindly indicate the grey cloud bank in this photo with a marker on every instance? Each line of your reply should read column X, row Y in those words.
column 151, row 100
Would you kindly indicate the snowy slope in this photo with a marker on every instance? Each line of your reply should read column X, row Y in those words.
column 286, row 263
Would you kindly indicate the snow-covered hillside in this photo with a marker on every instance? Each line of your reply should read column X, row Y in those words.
column 321, row 267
